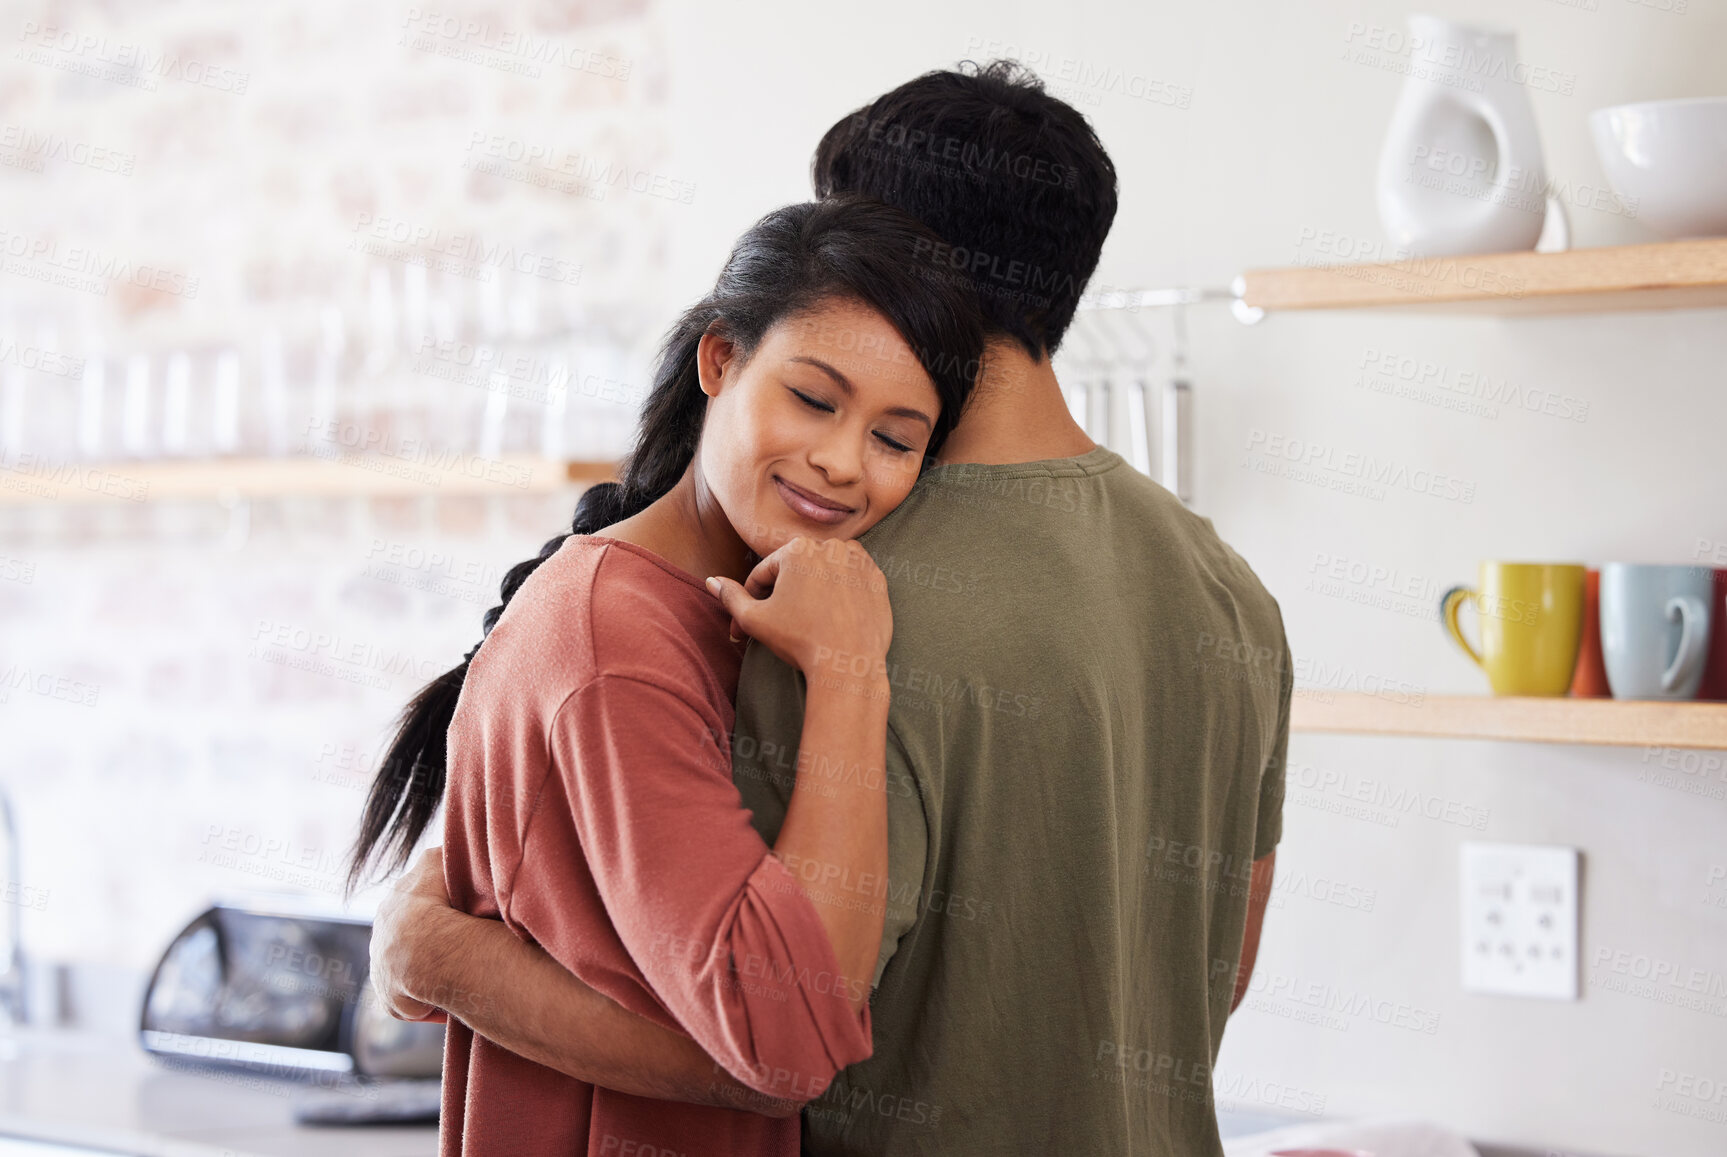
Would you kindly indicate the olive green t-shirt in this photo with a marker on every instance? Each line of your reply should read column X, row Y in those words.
column 1085, row 756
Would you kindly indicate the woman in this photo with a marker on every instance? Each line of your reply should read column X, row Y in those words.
column 592, row 807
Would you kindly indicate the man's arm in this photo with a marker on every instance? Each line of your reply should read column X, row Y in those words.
column 1258, row 895
column 426, row 956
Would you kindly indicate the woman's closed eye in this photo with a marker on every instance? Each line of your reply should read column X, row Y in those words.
column 815, row 403
column 812, row 403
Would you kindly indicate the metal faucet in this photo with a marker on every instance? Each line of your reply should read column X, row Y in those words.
column 13, row 987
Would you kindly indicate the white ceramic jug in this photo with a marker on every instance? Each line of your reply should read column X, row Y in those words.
column 1461, row 169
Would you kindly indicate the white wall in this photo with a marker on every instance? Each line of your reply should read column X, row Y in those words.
column 1282, row 134
column 1279, row 135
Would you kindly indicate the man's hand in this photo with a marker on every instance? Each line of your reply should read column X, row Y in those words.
column 407, row 914
column 517, row 996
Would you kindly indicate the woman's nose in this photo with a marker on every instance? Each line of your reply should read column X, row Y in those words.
column 839, row 457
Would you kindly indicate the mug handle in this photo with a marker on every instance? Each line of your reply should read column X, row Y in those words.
column 1449, row 604
column 1693, row 640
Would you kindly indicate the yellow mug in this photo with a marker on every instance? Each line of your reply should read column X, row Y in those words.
column 1531, row 625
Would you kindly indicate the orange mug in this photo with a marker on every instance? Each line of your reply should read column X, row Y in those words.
column 1589, row 681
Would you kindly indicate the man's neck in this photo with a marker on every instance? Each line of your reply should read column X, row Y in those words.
column 1016, row 414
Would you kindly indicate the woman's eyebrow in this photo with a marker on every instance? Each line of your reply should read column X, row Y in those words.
column 845, row 384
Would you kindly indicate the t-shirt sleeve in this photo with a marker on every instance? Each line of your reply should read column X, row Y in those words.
column 1269, row 828
column 725, row 936
column 765, row 741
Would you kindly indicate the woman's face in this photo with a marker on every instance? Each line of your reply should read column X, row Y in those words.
column 820, row 432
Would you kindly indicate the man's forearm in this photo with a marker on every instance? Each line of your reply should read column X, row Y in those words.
column 514, row 994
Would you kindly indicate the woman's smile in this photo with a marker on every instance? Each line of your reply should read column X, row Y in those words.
column 811, row 505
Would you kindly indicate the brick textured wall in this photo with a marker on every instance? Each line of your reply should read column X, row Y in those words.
column 277, row 229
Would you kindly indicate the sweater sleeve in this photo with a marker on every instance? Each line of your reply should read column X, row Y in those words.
column 766, row 739
column 726, row 938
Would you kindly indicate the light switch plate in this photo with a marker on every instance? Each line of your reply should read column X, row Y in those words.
column 1519, row 905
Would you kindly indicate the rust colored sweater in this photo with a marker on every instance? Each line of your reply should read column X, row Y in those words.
column 591, row 808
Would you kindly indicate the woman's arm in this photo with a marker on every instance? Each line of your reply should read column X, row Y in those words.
column 426, row 955
column 764, row 959
column 828, row 615
column 727, row 936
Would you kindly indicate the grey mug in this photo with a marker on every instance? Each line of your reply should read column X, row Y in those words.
column 1655, row 629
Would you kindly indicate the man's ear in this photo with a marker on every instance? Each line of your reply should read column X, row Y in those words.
column 714, row 354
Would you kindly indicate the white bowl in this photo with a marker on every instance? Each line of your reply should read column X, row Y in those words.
column 1668, row 159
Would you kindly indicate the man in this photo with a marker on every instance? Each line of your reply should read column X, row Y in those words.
column 1085, row 752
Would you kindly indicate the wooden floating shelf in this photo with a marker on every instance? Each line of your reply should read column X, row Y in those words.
column 1612, row 722
column 1670, row 275
column 346, row 476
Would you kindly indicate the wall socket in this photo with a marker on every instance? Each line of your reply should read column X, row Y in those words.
column 1519, row 904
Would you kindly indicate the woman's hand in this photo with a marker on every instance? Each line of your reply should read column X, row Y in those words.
column 819, row 604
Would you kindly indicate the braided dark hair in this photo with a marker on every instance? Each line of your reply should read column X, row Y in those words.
column 791, row 261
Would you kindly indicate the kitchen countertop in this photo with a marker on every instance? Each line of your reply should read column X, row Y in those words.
column 106, row 1093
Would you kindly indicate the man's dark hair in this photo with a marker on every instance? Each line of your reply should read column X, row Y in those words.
column 1014, row 180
